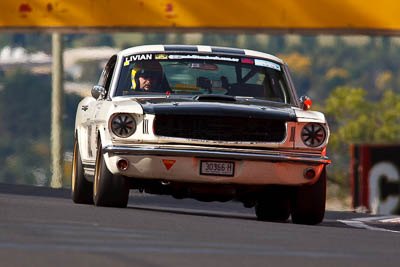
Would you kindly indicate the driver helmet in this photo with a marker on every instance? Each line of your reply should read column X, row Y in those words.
column 146, row 69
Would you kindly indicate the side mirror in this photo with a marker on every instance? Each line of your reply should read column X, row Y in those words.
column 305, row 102
column 98, row 91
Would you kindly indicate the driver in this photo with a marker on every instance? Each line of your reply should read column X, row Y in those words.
column 147, row 76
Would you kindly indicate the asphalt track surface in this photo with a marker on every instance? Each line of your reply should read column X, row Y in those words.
column 43, row 227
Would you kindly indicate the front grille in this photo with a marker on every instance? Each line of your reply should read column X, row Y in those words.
column 220, row 128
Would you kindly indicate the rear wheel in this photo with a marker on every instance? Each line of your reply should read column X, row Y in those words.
column 108, row 190
column 82, row 190
column 308, row 203
column 274, row 204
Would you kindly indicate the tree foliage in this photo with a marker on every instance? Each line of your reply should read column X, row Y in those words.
column 354, row 120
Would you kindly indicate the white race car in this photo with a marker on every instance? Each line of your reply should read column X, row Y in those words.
column 202, row 122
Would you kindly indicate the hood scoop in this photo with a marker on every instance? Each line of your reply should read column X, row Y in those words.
column 216, row 98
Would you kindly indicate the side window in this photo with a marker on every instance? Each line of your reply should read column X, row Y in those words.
column 106, row 75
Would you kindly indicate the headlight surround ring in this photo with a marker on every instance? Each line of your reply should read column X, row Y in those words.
column 123, row 125
column 313, row 134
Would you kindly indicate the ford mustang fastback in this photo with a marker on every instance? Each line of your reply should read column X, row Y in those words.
column 202, row 122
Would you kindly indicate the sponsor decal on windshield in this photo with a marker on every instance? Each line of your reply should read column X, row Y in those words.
column 161, row 56
column 141, row 57
column 203, row 57
column 129, row 59
column 268, row 64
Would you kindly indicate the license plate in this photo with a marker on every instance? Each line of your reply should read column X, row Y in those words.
column 219, row 168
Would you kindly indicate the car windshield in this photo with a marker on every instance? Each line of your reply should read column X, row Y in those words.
column 195, row 74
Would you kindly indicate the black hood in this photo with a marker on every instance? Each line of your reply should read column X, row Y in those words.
column 245, row 108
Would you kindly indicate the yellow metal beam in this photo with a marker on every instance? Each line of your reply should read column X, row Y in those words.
column 342, row 16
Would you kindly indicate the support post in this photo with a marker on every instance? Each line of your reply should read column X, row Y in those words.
column 57, row 97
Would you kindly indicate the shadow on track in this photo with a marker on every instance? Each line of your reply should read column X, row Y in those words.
column 194, row 212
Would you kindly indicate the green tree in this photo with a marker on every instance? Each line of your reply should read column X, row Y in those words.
column 355, row 120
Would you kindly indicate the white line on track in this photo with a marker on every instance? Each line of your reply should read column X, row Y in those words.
column 361, row 223
column 391, row 220
column 374, row 219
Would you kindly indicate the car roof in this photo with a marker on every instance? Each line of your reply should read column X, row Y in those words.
column 197, row 49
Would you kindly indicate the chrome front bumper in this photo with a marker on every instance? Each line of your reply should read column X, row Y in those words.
column 218, row 153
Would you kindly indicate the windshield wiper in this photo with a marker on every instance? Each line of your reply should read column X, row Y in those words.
column 211, row 97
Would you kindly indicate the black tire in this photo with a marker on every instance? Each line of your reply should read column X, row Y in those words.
column 82, row 189
column 308, row 203
column 274, row 204
column 108, row 190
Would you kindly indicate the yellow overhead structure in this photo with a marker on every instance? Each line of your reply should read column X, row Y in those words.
column 297, row 16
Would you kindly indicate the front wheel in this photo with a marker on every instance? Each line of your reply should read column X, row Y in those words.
column 108, row 190
column 308, row 203
column 82, row 190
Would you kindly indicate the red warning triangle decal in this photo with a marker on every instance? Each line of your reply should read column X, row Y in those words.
column 168, row 163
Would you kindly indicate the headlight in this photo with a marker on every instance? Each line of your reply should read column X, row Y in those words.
column 313, row 134
column 123, row 125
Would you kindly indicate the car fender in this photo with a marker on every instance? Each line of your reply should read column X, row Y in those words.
column 128, row 105
column 82, row 113
column 309, row 116
column 82, row 120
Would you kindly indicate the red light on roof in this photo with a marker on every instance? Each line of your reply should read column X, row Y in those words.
column 307, row 104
